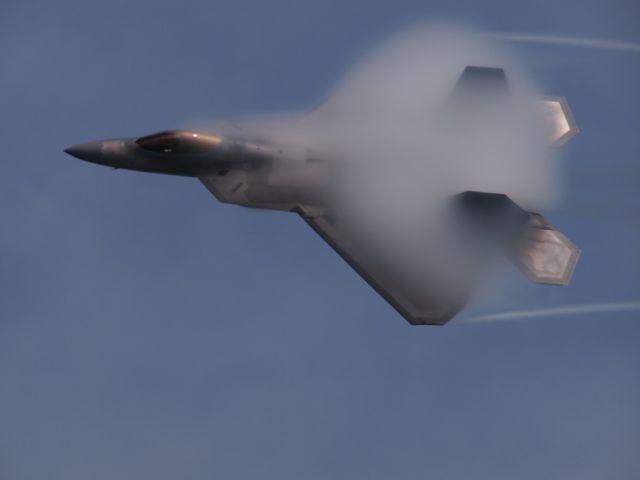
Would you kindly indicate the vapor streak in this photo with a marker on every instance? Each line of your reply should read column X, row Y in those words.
column 569, row 41
column 633, row 306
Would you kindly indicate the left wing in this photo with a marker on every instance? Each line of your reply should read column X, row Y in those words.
column 418, row 304
column 486, row 224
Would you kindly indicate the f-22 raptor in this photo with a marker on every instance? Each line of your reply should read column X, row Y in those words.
column 239, row 168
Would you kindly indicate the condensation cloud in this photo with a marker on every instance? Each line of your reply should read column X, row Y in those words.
column 405, row 149
column 401, row 145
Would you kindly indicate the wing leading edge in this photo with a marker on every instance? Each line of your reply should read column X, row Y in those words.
column 416, row 305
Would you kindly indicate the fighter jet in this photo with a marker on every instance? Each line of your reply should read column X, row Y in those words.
column 242, row 167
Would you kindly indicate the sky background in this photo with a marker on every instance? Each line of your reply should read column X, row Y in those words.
column 149, row 332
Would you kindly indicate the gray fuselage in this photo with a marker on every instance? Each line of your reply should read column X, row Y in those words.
column 243, row 171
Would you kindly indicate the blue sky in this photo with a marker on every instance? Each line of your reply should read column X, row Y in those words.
column 147, row 331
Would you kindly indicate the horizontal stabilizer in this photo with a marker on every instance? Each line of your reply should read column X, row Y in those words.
column 557, row 120
column 545, row 254
column 542, row 252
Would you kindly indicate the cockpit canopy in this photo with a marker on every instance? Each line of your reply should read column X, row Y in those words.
column 179, row 141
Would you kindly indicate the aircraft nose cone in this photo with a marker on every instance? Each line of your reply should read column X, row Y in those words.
column 90, row 151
